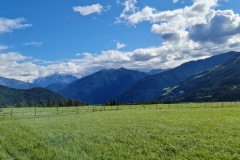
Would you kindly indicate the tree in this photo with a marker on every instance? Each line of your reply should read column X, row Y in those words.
column 61, row 104
column 19, row 105
column 3, row 105
column 79, row 103
column 50, row 103
column 42, row 104
column 112, row 103
column 70, row 102
column 30, row 104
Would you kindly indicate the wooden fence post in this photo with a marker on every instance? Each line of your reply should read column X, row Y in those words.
column 11, row 111
column 35, row 110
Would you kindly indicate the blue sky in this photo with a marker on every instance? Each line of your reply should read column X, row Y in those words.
column 64, row 33
column 43, row 37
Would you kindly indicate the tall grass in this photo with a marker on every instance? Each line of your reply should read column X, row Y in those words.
column 181, row 132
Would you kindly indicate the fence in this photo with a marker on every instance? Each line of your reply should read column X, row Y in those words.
column 43, row 111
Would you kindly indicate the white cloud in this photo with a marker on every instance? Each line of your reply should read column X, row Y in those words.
column 120, row 45
column 186, row 16
column 78, row 54
column 129, row 8
column 191, row 32
column 12, row 57
column 3, row 47
column 87, row 10
column 107, row 8
column 175, row 1
column 33, row 43
column 220, row 27
column 15, row 65
column 7, row 25
column 118, row 1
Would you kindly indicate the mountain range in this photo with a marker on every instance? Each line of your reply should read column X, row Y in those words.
column 150, row 87
column 213, row 78
column 55, row 82
column 54, row 79
column 102, row 86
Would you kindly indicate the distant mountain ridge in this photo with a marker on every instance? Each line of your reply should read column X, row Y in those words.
column 17, row 84
column 10, row 96
column 157, row 71
column 103, row 85
column 55, row 82
column 149, row 88
column 221, row 83
column 55, row 79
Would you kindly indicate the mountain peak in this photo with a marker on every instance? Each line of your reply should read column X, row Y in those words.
column 103, row 85
column 55, row 79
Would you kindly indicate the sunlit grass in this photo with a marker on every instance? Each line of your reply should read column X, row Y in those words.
column 183, row 131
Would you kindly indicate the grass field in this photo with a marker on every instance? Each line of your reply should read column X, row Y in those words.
column 183, row 131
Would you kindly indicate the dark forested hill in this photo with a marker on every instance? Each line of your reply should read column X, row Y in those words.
column 103, row 85
column 221, row 83
column 149, row 88
column 9, row 96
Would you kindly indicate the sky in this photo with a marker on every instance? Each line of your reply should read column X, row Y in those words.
column 41, row 37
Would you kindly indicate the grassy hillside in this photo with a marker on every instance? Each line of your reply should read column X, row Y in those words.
column 148, row 88
column 221, row 83
column 187, row 133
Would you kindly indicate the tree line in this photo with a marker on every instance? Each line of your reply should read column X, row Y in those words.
column 48, row 103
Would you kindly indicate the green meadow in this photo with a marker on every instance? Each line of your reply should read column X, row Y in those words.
column 176, row 131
